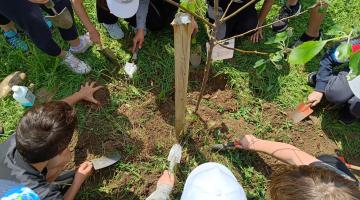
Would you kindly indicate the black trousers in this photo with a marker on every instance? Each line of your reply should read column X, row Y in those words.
column 244, row 21
column 4, row 20
column 28, row 17
column 160, row 15
column 338, row 164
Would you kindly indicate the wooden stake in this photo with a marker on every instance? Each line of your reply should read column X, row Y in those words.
column 182, row 41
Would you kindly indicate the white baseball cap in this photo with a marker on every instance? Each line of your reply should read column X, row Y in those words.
column 212, row 181
column 123, row 8
column 355, row 86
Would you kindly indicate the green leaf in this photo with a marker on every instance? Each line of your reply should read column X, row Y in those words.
column 305, row 52
column 188, row 4
column 354, row 65
column 345, row 51
column 280, row 37
column 335, row 31
column 259, row 63
column 260, row 66
column 277, row 56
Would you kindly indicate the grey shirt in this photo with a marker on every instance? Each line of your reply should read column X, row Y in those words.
column 141, row 14
column 162, row 192
column 13, row 167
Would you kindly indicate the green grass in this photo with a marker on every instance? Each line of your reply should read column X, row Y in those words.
column 283, row 88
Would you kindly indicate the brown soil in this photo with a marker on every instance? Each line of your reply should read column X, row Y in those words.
column 150, row 132
column 304, row 135
column 102, row 96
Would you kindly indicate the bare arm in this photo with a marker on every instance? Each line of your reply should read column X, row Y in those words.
column 81, row 12
column 285, row 152
column 72, row 191
column 85, row 93
column 265, row 9
column 81, row 175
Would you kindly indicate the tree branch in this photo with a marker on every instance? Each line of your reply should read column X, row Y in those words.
column 244, row 51
column 224, row 19
column 227, row 9
column 190, row 12
column 209, row 54
column 206, row 73
column 260, row 27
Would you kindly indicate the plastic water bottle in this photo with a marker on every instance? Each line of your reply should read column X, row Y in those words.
column 23, row 95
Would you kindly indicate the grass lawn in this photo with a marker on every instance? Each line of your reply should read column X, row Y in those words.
column 139, row 118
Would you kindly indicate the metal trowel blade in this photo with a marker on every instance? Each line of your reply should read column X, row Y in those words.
column 105, row 161
column 301, row 112
column 130, row 69
column 222, row 147
column 174, row 156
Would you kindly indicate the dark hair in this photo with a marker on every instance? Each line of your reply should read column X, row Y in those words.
column 312, row 183
column 45, row 130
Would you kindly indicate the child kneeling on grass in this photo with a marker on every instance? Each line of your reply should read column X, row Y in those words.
column 309, row 178
column 37, row 153
column 335, row 86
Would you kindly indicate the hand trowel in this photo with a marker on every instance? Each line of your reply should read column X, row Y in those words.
column 130, row 67
column 105, row 161
column 302, row 111
column 174, row 156
column 63, row 19
column 223, row 147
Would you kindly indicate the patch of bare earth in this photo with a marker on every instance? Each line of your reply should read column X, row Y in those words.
column 151, row 126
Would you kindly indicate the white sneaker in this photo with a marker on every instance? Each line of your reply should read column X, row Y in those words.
column 75, row 64
column 114, row 31
column 84, row 45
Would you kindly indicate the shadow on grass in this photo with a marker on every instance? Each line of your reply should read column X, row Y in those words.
column 100, row 133
column 347, row 136
column 243, row 159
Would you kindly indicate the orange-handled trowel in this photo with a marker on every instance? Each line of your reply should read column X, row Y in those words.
column 302, row 111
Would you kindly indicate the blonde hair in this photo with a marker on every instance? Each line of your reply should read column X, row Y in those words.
column 312, row 183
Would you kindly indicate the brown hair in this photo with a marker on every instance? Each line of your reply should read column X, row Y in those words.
column 45, row 131
column 312, row 183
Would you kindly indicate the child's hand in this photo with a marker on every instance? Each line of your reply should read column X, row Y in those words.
column 138, row 40
column 314, row 98
column 167, row 179
column 87, row 92
column 83, row 171
column 247, row 142
column 257, row 36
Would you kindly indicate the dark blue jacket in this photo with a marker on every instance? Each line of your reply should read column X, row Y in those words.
column 327, row 65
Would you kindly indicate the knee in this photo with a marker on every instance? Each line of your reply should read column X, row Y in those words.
column 337, row 90
column 334, row 95
column 355, row 108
